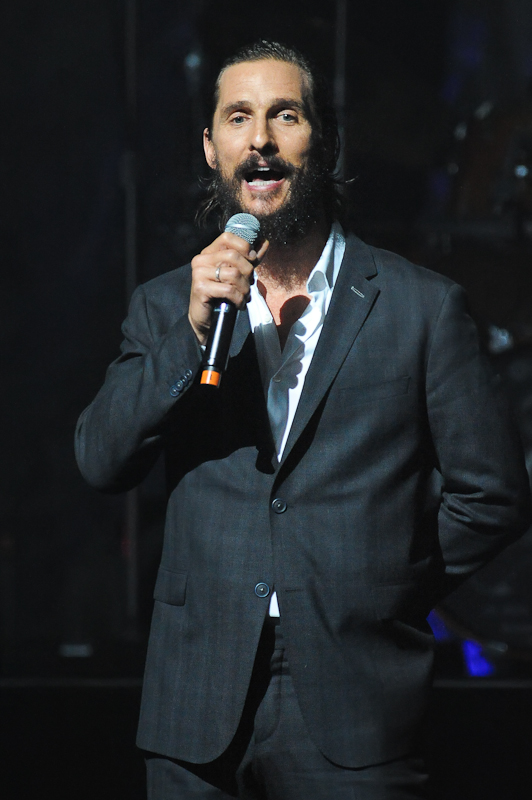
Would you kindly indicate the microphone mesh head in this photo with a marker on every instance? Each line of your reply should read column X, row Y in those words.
column 244, row 225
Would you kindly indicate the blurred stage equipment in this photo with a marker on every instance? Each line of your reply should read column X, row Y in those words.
column 491, row 167
column 132, row 499
column 340, row 77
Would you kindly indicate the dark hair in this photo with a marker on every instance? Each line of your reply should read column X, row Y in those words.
column 320, row 110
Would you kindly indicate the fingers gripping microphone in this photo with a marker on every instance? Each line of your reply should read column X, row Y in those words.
column 224, row 313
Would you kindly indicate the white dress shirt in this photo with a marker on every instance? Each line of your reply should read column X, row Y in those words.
column 284, row 371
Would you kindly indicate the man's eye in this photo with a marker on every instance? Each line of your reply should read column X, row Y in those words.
column 288, row 116
column 239, row 119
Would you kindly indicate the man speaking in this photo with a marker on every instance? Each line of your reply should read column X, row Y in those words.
column 289, row 655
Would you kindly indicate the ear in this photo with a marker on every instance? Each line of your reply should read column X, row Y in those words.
column 208, row 148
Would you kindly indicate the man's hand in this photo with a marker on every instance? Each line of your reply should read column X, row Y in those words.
column 222, row 271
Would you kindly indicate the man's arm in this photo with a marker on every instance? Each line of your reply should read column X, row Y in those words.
column 119, row 436
column 485, row 492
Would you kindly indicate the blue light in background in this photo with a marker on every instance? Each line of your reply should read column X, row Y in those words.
column 452, row 88
column 439, row 628
column 468, row 39
column 476, row 663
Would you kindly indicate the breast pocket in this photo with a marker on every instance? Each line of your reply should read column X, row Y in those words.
column 171, row 586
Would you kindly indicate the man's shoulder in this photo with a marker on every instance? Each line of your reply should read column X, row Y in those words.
column 390, row 269
column 397, row 265
column 169, row 284
column 163, row 298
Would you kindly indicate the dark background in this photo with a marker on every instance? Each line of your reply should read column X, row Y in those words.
column 101, row 158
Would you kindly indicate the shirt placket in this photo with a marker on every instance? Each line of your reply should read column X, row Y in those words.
column 285, row 379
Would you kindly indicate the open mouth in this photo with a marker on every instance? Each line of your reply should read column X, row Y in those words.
column 263, row 177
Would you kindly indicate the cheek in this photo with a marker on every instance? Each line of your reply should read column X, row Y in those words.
column 298, row 150
column 228, row 158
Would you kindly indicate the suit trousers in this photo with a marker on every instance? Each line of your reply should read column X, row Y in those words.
column 272, row 756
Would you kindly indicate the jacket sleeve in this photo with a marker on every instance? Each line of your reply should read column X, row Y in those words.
column 485, row 500
column 119, row 436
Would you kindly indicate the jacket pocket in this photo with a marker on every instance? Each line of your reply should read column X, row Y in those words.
column 170, row 586
column 405, row 601
column 375, row 391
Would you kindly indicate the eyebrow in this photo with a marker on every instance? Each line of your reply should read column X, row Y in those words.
column 279, row 102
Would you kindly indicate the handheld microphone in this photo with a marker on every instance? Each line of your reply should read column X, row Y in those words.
column 224, row 313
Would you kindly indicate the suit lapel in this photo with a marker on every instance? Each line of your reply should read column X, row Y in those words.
column 241, row 332
column 352, row 301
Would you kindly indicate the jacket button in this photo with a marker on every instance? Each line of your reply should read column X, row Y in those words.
column 175, row 390
column 279, row 506
column 188, row 374
column 262, row 590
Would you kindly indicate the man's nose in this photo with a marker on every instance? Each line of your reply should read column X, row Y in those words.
column 262, row 137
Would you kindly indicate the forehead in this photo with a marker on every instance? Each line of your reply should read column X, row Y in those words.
column 261, row 82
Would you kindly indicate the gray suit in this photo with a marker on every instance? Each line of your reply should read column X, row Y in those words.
column 344, row 528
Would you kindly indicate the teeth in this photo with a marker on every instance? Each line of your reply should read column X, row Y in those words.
column 259, row 182
column 263, row 169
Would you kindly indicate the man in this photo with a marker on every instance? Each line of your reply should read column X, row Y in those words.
column 289, row 655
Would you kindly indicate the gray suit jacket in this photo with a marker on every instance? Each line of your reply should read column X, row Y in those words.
column 357, row 550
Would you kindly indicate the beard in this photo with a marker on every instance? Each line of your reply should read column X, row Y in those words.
column 301, row 209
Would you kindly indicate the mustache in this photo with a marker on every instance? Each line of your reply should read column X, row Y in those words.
column 274, row 162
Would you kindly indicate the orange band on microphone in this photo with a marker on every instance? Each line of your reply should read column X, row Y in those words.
column 210, row 377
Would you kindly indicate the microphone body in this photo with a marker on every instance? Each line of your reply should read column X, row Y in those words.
column 224, row 313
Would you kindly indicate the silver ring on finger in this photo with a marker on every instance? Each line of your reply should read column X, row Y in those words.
column 217, row 274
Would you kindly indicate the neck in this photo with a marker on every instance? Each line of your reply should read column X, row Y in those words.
column 286, row 267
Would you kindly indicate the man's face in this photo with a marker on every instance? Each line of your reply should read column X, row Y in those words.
column 260, row 146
